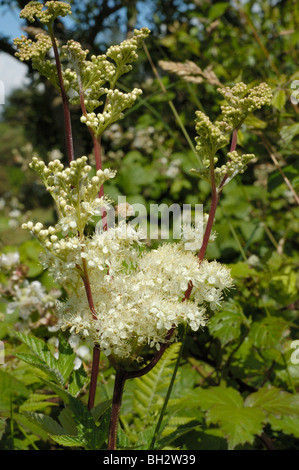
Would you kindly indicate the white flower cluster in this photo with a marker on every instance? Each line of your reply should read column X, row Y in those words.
column 138, row 294
column 30, row 297
column 192, row 235
column 20, row 294
column 9, row 260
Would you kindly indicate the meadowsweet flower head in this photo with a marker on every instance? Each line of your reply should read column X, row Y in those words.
column 140, row 298
column 45, row 13
column 241, row 101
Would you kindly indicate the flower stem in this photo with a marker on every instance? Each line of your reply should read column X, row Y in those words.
column 94, row 376
column 66, row 111
column 97, row 149
column 119, row 384
column 216, row 192
column 170, row 387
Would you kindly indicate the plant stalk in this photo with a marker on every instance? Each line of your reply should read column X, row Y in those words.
column 65, row 103
column 94, row 376
column 119, row 384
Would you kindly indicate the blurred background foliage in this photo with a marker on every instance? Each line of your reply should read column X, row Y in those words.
column 194, row 47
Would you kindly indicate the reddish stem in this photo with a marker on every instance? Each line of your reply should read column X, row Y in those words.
column 94, row 376
column 97, row 150
column 119, row 384
column 216, row 192
column 65, row 104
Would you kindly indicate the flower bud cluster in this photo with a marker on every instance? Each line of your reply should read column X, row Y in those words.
column 83, row 79
column 36, row 52
column 236, row 164
column 35, row 10
column 125, row 53
column 76, row 197
column 211, row 137
column 117, row 103
column 242, row 100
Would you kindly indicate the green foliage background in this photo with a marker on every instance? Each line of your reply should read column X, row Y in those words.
column 236, row 387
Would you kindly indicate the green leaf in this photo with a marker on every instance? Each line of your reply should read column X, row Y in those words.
column 217, row 10
column 77, row 381
column 100, row 409
column 68, row 441
column 225, row 408
column 53, row 374
column 150, row 388
column 91, row 435
column 226, row 324
column 274, row 401
column 275, row 179
column 288, row 133
column 9, row 387
column 63, row 394
column 37, row 402
column 67, row 421
column 66, row 357
column 43, row 358
column 241, row 270
column 268, row 333
column 47, row 423
column 39, row 348
column 239, row 425
column 206, row 398
column 164, row 442
column 279, row 99
column 255, row 122
column 287, row 424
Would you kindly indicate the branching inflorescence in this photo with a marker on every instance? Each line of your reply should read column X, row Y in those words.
column 134, row 297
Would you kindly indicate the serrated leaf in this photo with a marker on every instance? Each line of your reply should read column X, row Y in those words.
column 100, row 409
column 226, row 324
column 268, row 333
column 274, row 401
column 206, row 398
column 151, row 387
column 68, row 441
column 77, row 381
column 179, row 432
column 66, row 358
column 224, row 406
column 67, row 421
column 37, row 402
column 91, row 435
column 287, row 424
column 63, row 394
column 31, row 425
column 47, row 423
column 9, row 387
column 279, row 99
column 287, row 133
column 239, row 425
column 39, row 349
column 53, row 374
